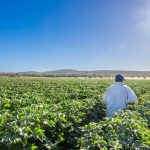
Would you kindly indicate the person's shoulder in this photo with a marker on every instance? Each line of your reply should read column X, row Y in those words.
column 111, row 86
column 126, row 87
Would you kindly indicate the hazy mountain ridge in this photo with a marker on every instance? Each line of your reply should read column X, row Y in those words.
column 77, row 73
column 62, row 70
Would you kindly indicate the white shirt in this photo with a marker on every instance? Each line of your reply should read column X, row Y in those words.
column 117, row 97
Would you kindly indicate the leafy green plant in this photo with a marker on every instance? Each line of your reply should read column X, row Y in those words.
column 43, row 113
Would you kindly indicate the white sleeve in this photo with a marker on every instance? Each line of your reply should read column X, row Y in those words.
column 106, row 96
column 131, row 95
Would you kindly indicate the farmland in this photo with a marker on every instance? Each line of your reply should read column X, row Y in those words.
column 43, row 114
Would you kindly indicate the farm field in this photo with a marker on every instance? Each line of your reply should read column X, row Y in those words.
column 43, row 114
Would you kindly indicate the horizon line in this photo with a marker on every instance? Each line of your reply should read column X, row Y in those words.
column 77, row 70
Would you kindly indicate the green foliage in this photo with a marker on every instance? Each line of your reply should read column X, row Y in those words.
column 47, row 114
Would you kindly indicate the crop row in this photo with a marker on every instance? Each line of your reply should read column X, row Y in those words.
column 69, row 114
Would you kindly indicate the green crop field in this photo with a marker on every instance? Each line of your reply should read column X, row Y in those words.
column 43, row 114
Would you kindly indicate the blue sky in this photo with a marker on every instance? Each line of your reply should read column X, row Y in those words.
column 74, row 34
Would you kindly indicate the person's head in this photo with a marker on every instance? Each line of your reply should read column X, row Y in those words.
column 119, row 78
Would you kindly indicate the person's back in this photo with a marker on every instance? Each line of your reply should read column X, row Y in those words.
column 117, row 96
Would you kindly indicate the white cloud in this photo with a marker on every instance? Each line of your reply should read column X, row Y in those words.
column 141, row 17
column 122, row 46
column 146, row 50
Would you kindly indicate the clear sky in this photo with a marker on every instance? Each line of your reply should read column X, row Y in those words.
column 43, row 35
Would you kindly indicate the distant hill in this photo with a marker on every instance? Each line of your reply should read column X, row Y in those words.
column 28, row 72
column 62, row 70
column 77, row 73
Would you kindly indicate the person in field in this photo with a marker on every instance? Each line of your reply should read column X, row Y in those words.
column 118, row 95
